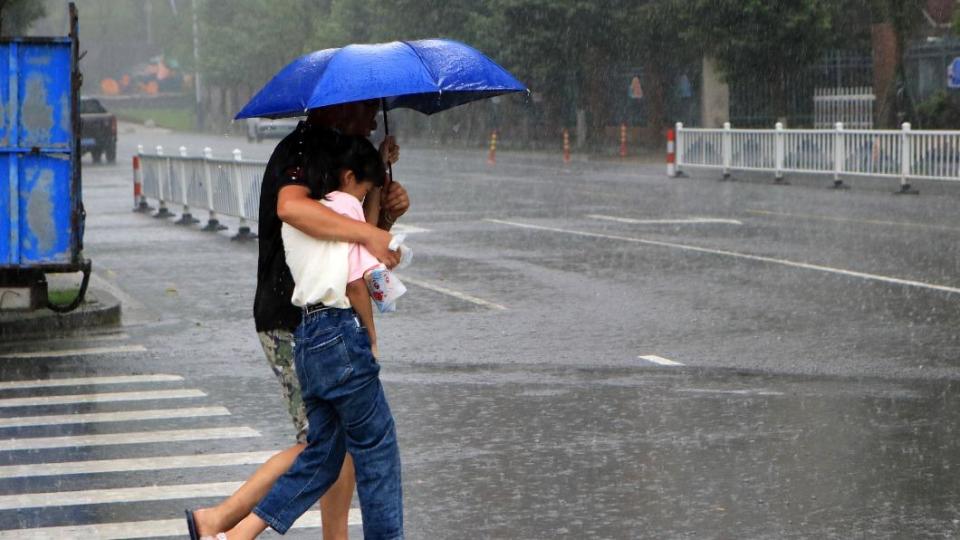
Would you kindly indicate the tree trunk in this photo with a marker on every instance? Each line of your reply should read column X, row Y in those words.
column 657, row 92
column 886, row 60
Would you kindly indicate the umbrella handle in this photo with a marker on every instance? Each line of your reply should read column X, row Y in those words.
column 386, row 133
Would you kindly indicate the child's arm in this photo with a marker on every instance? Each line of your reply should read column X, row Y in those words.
column 359, row 298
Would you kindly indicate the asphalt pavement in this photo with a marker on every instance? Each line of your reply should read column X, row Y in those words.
column 587, row 350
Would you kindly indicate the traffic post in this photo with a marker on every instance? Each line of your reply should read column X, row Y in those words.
column 566, row 145
column 139, row 199
column 623, row 140
column 671, row 154
column 492, row 155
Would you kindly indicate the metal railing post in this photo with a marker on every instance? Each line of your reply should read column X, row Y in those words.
column 163, row 212
column 186, row 218
column 726, row 145
column 779, row 150
column 906, row 157
column 213, row 224
column 243, row 233
column 839, row 155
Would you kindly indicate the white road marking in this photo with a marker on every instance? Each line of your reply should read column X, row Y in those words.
column 659, row 360
column 139, row 437
column 100, row 398
column 747, row 392
column 138, row 464
column 88, row 381
column 401, row 228
column 85, row 338
column 122, row 416
column 76, row 352
column 450, row 292
column 687, row 221
column 143, row 529
column 854, row 220
column 784, row 262
column 117, row 495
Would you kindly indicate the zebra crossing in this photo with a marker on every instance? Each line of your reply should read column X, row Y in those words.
column 117, row 456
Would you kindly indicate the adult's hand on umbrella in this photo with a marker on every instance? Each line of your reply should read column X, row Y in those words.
column 390, row 150
column 394, row 201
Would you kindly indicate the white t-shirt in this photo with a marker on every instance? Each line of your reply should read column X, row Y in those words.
column 321, row 269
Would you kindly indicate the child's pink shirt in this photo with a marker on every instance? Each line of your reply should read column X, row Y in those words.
column 359, row 259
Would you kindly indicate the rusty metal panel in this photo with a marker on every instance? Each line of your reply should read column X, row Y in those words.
column 40, row 211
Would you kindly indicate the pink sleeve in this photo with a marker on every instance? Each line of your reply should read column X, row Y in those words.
column 360, row 260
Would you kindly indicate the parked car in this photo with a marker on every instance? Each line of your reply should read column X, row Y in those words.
column 98, row 131
column 264, row 128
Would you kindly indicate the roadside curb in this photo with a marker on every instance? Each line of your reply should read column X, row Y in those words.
column 99, row 309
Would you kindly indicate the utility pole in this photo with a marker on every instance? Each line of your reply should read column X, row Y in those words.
column 198, row 90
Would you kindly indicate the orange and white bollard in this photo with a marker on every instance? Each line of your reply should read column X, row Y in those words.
column 139, row 200
column 566, row 145
column 623, row 140
column 492, row 155
column 671, row 154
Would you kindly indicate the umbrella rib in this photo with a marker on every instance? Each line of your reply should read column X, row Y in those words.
column 433, row 75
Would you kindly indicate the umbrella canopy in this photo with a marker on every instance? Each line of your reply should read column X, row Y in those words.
column 428, row 75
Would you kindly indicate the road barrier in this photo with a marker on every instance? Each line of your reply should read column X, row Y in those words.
column 228, row 187
column 904, row 154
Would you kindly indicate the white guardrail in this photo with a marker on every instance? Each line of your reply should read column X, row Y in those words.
column 904, row 154
column 222, row 187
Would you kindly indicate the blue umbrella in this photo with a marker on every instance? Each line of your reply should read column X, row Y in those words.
column 428, row 75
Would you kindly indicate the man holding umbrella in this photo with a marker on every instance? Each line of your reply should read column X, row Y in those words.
column 285, row 197
column 341, row 88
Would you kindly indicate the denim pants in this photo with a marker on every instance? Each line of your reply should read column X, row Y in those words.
column 346, row 411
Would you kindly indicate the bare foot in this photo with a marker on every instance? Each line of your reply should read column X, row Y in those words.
column 207, row 524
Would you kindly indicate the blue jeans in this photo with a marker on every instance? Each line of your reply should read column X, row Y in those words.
column 346, row 411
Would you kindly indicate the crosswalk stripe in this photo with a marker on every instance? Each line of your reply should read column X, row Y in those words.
column 100, row 398
column 140, row 437
column 117, row 495
column 122, row 416
column 137, row 464
column 88, row 381
column 76, row 352
column 142, row 529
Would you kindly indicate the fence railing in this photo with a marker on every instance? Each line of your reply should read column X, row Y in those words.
column 852, row 106
column 222, row 187
column 904, row 154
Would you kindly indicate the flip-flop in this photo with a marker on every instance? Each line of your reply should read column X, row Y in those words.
column 192, row 525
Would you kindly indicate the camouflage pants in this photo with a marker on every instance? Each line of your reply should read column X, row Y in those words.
column 278, row 347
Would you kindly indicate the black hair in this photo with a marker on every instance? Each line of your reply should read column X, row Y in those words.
column 357, row 154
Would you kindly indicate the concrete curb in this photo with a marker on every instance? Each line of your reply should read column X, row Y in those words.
column 99, row 309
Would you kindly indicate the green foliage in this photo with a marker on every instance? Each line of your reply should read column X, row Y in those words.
column 16, row 16
column 765, row 40
column 941, row 111
column 246, row 41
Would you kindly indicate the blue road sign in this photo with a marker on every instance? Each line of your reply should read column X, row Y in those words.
column 953, row 74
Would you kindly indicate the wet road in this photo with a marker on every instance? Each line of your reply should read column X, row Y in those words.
column 591, row 351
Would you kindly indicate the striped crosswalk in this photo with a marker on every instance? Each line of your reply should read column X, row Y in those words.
column 94, row 412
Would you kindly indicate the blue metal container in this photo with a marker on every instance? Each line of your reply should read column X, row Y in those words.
column 41, row 212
